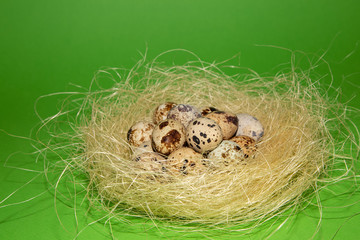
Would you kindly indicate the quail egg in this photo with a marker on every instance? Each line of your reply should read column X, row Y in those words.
column 151, row 161
column 168, row 136
column 203, row 134
column 162, row 111
column 247, row 144
column 206, row 110
column 249, row 126
column 140, row 132
column 227, row 153
column 185, row 161
column 184, row 113
column 228, row 122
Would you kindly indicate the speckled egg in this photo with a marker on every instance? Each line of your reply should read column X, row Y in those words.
column 151, row 161
column 185, row 161
column 228, row 122
column 144, row 147
column 247, row 144
column 206, row 110
column 162, row 111
column 184, row 113
column 227, row 153
column 249, row 126
column 168, row 136
column 140, row 132
column 203, row 134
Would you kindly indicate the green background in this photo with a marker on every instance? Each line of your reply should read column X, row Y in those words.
column 45, row 45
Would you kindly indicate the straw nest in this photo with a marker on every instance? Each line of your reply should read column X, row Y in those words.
column 296, row 150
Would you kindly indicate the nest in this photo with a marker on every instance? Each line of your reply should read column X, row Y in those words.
column 296, row 153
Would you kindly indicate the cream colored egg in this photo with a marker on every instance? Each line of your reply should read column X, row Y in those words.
column 185, row 161
column 203, row 134
column 140, row 132
column 168, row 136
column 227, row 153
column 228, row 122
column 161, row 112
column 249, row 126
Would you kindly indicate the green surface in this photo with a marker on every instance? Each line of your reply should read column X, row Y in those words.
column 46, row 45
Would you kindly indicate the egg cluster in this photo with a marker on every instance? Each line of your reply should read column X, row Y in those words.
column 184, row 140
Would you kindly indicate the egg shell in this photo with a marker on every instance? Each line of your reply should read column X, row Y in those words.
column 185, row 161
column 249, row 126
column 184, row 113
column 140, row 132
column 227, row 153
column 228, row 122
column 203, row 134
column 206, row 110
column 247, row 144
column 144, row 147
column 168, row 136
column 161, row 112
column 151, row 161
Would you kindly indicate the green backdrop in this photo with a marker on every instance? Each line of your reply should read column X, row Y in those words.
column 46, row 45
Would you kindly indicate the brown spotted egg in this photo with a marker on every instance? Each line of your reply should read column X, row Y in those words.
column 228, row 122
column 249, row 126
column 227, row 153
column 144, row 147
column 140, row 132
column 168, row 136
column 151, row 161
column 161, row 112
column 184, row 113
column 247, row 144
column 185, row 161
column 203, row 134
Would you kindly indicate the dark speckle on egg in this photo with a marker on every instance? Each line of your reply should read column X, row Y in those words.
column 196, row 139
column 171, row 137
column 203, row 135
column 129, row 133
column 163, row 124
column 219, row 112
column 232, row 119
